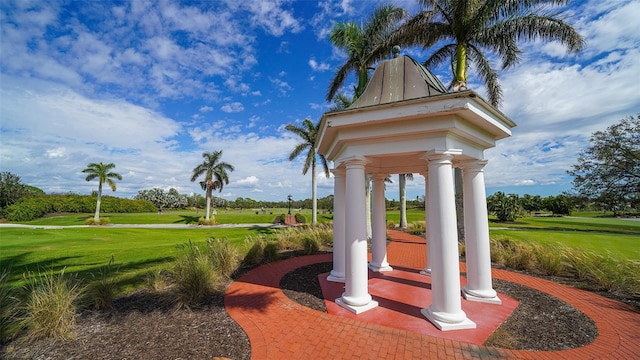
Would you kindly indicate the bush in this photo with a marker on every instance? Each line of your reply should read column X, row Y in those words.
column 101, row 221
column 224, row 256
column 7, row 307
column 391, row 224
column 271, row 251
column 310, row 245
column 417, row 227
column 203, row 221
column 279, row 219
column 50, row 309
column 255, row 255
column 194, row 276
column 102, row 290
column 157, row 279
column 300, row 219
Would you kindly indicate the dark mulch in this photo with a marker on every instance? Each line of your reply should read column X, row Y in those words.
column 146, row 325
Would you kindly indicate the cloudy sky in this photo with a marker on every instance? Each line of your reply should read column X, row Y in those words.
column 150, row 85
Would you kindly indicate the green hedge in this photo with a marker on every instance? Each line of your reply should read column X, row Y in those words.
column 36, row 207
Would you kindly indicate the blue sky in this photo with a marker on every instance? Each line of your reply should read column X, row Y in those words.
column 151, row 85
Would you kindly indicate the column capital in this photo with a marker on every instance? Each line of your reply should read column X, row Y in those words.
column 378, row 176
column 338, row 172
column 441, row 154
column 354, row 161
column 475, row 164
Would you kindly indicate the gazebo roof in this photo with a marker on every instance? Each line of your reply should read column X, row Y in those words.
column 401, row 78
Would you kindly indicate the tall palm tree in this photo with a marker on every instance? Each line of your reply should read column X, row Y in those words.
column 402, row 185
column 103, row 173
column 215, row 175
column 309, row 132
column 365, row 45
column 465, row 31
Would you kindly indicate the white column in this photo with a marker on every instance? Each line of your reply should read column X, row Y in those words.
column 427, row 267
column 356, row 297
column 445, row 311
column 476, row 227
column 379, row 227
column 337, row 274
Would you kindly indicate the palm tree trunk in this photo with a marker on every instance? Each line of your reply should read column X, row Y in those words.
column 402, row 184
column 363, row 77
column 461, row 68
column 314, row 200
column 208, row 203
column 96, row 216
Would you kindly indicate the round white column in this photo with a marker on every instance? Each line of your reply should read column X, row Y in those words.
column 445, row 311
column 339, row 184
column 379, row 226
column 427, row 267
column 356, row 297
column 476, row 226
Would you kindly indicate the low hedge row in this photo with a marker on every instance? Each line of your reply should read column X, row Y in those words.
column 36, row 207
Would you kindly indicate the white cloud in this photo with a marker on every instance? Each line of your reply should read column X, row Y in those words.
column 318, row 66
column 233, row 107
column 250, row 181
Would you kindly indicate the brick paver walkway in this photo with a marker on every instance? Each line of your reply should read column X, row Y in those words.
column 279, row 328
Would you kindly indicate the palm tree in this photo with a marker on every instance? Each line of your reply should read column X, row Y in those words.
column 215, row 175
column 341, row 102
column 466, row 30
column 103, row 173
column 365, row 45
column 309, row 132
column 402, row 185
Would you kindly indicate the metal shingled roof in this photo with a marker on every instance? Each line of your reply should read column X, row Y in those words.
column 398, row 79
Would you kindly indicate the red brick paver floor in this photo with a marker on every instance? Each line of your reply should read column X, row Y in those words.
column 279, row 328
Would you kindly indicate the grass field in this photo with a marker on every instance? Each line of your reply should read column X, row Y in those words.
column 86, row 250
column 136, row 251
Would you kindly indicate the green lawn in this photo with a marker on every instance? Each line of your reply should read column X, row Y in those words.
column 86, row 250
column 177, row 217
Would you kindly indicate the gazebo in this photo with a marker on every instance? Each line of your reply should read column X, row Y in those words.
column 405, row 122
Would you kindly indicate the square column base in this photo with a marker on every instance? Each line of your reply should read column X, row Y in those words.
column 445, row 326
column 492, row 300
column 382, row 268
column 357, row 309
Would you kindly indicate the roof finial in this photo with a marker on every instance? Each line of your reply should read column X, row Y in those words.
column 396, row 51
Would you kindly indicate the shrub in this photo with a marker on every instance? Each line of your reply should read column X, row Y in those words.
column 203, row 221
column 391, row 224
column 50, row 309
column 310, row 245
column 102, row 290
column 224, row 256
column 7, row 306
column 271, row 251
column 417, row 227
column 550, row 260
column 101, row 221
column 255, row 254
column 279, row 219
column 194, row 276
column 157, row 279
column 300, row 219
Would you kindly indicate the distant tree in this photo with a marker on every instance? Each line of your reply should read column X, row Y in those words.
column 365, row 45
column 531, row 203
column 505, row 207
column 103, row 173
column 558, row 205
column 11, row 189
column 608, row 172
column 308, row 132
column 215, row 175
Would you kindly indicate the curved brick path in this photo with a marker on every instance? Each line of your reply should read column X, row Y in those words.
column 279, row 328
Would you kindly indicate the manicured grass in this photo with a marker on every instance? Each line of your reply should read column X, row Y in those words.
column 575, row 223
column 178, row 217
column 623, row 246
column 86, row 250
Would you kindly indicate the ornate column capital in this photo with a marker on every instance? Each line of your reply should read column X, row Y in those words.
column 473, row 165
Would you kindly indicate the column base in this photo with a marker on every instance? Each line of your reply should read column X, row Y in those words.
column 483, row 296
column 356, row 309
column 446, row 321
column 426, row 271
column 380, row 267
column 336, row 277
